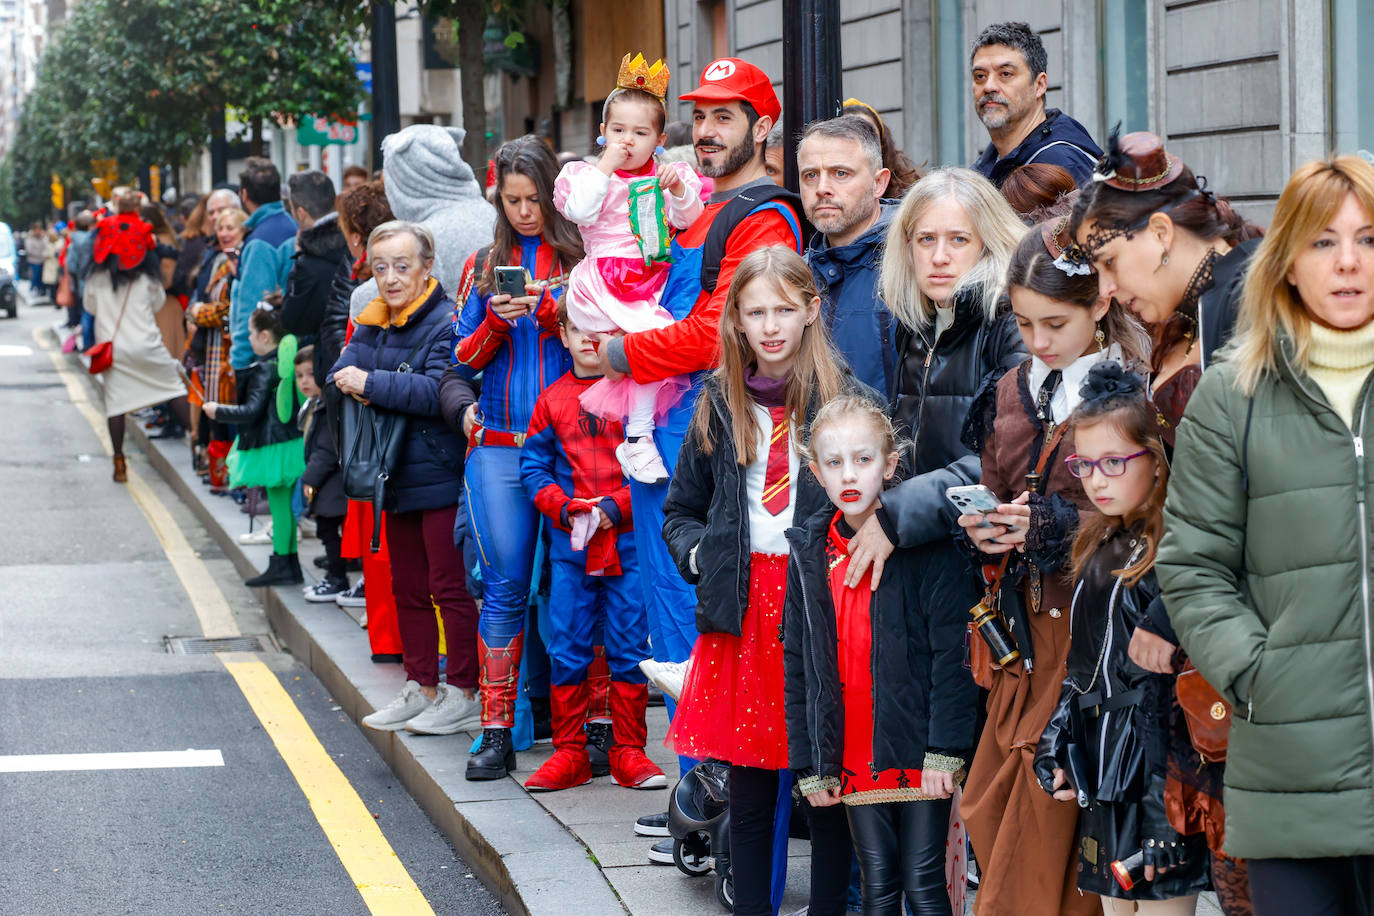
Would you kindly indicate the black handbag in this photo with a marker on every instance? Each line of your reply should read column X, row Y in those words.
column 370, row 441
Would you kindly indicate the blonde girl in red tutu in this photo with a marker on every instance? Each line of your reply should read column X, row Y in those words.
column 738, row 486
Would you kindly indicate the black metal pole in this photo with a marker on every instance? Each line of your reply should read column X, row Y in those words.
column 386, row 94
column 810, row 71
column 219, row 150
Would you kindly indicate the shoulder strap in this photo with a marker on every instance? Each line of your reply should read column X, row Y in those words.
column 129, row 288
column 742, row 205
column 1051, row 445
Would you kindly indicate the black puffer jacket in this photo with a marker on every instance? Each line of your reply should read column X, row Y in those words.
column 322, row 466
column 707, row 506
column 924, row 699
column 256, row 415
column 321, row 252
column 935, row 387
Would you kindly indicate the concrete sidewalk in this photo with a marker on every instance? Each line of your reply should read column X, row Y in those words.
column 571, row 852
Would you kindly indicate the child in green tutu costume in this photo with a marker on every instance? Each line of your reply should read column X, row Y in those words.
column 268, row 450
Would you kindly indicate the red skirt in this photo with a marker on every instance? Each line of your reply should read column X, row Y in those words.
column 732, row 701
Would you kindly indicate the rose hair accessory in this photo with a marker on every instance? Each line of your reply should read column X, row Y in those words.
column 1109, row 381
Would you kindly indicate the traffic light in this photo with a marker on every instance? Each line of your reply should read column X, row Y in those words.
column 59, row 197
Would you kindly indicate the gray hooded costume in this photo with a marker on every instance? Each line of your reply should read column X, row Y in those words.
column 428, row 182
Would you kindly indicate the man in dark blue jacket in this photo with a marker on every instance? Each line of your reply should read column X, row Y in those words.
column 1009, row 83
column 840, row 166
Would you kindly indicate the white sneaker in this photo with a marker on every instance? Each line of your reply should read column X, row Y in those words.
column 354, row 597
column 451, row 712
column 409, row 703
column 666, row 676
column 641, row 461
column 262, row 535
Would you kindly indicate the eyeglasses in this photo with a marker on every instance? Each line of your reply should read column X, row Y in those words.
column 1109, row 465
column 382, row 268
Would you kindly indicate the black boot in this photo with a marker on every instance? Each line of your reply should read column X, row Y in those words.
column 599, row 740
column 496, row 757
column 542, row 714
column 279, row 571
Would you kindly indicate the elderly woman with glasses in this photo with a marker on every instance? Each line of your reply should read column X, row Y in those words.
column 393, row 362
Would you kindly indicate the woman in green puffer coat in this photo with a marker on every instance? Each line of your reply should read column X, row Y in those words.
column 1266, row 560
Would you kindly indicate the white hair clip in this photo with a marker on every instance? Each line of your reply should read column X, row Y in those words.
column 1073, row 268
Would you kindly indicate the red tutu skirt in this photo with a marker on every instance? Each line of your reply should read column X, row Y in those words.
column 732, row 701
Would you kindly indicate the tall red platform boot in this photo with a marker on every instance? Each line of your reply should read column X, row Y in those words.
column 599, row 736
column 568, row 767
column 630, row 766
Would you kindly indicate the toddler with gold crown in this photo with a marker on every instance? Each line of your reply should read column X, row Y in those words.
column 627, row 209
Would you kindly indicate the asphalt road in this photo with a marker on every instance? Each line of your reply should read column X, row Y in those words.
column 87, row 594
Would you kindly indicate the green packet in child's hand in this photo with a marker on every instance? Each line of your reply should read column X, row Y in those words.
column 648, row 221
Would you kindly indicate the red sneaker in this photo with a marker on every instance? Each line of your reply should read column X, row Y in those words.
column 566, row 769
column 632, row 768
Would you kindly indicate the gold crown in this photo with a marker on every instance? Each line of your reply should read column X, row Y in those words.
column 637, row 74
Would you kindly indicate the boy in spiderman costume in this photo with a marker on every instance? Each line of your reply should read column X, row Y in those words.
column 569, row 467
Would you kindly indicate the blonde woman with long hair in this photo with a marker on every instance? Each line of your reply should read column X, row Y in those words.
column 943, row 268
column 1266, row 562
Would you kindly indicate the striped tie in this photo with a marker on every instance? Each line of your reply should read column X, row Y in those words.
column 775, row 478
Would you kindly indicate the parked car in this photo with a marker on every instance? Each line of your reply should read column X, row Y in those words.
column 9, row 272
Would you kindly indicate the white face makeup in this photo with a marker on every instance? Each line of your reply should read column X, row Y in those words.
column 850, row 464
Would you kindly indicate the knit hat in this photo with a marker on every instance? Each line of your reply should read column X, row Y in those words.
column 125, row 236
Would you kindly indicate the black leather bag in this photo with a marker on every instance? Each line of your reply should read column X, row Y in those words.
column 370, row 440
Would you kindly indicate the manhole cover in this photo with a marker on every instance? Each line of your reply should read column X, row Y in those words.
column 200, row 645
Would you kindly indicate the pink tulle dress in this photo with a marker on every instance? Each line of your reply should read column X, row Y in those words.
column 613, row 289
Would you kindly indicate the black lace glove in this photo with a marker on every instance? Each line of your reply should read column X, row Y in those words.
column 1053, row 526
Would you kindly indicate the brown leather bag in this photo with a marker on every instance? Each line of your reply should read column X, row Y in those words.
column 1207, row 714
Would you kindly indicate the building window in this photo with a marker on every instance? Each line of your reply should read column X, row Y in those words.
column 1352, row 102
column 951, row 79
column 1124, row 64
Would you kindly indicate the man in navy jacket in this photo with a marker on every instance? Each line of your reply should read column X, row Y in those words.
column 840, row 167
column 1009, row 83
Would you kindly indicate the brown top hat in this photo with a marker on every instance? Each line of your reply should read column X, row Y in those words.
column 1068, row 255
column 1138, row 162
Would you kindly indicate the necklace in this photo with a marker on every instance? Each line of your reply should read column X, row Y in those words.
column 1198, row 283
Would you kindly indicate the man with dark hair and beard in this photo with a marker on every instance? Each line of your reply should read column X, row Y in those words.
column 1009, row 83
column 840, row 167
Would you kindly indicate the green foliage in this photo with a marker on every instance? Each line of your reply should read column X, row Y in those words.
column 139, row 81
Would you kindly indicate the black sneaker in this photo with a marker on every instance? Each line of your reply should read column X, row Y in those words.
column 496, row 757
column 599, row 741
column 325, row 590
column 652, row 825
column 661, row 853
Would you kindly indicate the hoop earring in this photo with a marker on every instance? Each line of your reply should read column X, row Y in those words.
column 1163, row 260
column 1101, row 338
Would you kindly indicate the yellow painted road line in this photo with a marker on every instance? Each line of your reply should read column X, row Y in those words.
column 212, row 610
column 382, row 880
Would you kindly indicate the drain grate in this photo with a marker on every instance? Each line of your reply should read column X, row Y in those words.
column 200, row 645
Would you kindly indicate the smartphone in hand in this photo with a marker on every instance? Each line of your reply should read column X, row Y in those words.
column 512, row 280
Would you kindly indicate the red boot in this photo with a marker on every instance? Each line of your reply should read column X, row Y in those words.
column 216, row 453
column 630, row 766
column 568, row 767
column 500, row 674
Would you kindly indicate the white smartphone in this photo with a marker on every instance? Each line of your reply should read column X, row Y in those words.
column 974, row 500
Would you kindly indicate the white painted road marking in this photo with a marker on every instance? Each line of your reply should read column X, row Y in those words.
column 15, row 350
column 132, row 760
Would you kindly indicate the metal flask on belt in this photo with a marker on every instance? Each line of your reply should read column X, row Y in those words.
column 989, row 625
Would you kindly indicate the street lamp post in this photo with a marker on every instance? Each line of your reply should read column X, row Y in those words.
column 810, row 71
column 386, row 97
